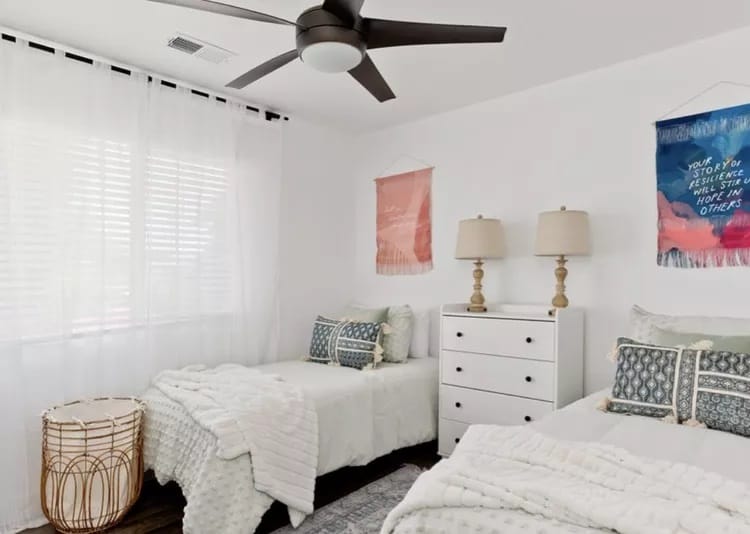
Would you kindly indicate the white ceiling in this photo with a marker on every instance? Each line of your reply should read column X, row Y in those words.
column 546, row 40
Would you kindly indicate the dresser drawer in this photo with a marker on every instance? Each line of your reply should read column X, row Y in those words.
column 513, row 376
column 519, row 338
column 449, row 434
column 479, row 407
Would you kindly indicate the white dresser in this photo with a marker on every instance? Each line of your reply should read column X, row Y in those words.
column 509, row 366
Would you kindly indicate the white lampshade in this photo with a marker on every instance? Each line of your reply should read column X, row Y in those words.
column 480, row 238
column 563, row 233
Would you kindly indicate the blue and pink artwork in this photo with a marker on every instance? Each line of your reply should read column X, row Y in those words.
column 703, row 183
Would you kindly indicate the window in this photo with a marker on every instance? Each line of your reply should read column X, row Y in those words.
column 93, row 238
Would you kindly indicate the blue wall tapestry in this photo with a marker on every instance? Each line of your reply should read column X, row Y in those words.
column 703, row 189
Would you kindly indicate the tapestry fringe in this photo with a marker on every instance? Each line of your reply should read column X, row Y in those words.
column 704, row 258
column 396, row 269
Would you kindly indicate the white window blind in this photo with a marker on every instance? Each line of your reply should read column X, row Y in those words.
column 187, row 239
column 82, row 226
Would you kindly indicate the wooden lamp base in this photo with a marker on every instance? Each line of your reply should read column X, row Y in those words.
column 561, row 273
column 477, row 299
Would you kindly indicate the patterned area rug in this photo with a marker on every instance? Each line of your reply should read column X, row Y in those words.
column 363, row 511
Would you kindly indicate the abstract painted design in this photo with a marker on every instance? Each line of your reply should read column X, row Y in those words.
column 404, row 223
column 703, row 183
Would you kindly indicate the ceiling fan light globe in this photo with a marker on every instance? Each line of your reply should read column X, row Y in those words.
column 332, row 56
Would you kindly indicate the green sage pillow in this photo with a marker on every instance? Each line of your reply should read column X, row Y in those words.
column 367, row 315
column 397, row 340
column 396, row 335
column 670, row 338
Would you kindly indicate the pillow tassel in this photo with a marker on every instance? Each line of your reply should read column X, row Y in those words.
column 613, row 352
column 694, row 423
column 603, row 404
column 378, row 354
column 669, row 419
column 704, row 344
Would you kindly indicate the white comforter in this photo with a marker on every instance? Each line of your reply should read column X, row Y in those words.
column 247, row 413
column 515, row 479
column 361, row 415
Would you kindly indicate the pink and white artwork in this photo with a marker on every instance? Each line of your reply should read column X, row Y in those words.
column 404, row 223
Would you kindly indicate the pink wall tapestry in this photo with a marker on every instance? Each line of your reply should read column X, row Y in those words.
column 404, row 223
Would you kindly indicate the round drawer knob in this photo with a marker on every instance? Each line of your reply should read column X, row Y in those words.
column 458, row 405
column 459, row 334
column 527, row 418
column 459, row 369
column 528, row 379
column 457, row 440
column 529, row 340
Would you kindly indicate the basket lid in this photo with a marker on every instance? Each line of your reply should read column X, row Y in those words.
column 93, row 410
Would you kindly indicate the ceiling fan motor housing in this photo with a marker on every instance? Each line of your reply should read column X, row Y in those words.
column 327, row 43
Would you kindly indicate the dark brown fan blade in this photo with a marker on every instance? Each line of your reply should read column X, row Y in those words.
column 263, row 69
column 225, row 9
column 367, row 74
column 385, row 33
column 346, row 10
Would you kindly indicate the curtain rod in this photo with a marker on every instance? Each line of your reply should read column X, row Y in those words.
column 7, row 34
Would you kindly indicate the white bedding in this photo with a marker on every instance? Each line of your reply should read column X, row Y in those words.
column 361, row 415
column 253, row 412
column 711, row 450
column 453, row 497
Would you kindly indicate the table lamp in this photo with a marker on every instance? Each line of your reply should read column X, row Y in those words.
column 562, row 233
column 479, row 239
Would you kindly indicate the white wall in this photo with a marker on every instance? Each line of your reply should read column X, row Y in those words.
column 316, row 273
column 586, row 142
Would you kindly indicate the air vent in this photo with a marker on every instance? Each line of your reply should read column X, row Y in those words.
column 184, row 45
column 200, row 49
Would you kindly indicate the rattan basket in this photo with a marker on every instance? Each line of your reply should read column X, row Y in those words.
column 92, row 463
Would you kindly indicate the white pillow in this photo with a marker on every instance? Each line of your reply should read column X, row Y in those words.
column 420, row 337
column 644, row 324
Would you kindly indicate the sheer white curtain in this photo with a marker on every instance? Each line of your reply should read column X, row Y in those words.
column 138, row 231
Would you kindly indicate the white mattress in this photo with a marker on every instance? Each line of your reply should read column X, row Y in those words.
column 363, row 415
column 714, row 451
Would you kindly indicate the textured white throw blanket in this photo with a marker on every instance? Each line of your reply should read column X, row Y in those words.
column 257, row 413
column 514, row 479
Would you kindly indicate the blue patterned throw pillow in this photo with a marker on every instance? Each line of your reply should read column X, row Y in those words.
column 696, row 387
column 718, row 386
column 645, row 379
column 347, row 343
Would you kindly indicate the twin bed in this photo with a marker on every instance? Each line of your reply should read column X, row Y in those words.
column 615, row 461
column 583, row 470
column 361, row 415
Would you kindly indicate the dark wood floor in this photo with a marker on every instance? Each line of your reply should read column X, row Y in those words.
column 159, row 508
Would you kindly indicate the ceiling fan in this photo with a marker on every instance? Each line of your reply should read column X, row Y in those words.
column 334, row 37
